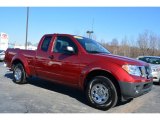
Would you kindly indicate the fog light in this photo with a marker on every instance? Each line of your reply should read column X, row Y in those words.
column 137, row 89
column 4, row 65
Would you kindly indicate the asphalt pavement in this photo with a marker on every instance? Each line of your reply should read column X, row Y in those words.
column 40, row 96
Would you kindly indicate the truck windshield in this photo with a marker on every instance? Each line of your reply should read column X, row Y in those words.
column 91, row 46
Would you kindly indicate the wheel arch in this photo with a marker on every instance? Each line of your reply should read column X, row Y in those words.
column 25, row 65
column 104, row 73
column 15, row 62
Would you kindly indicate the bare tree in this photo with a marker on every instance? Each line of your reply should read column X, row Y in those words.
column 143, row 43
column 133, row 49
column 158, row 45
column 147, row 43
column 153, row 44
column 125, row 48
column 114, row 44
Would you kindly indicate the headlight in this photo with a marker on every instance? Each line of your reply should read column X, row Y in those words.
column 132, row 70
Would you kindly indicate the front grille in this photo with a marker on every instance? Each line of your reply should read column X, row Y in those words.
column 145, row 71
column 146, row 86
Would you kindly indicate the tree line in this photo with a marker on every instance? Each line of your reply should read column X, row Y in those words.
column 147, row 44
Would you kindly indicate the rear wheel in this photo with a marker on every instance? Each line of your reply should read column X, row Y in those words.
column 101, row 93
column 19, row 74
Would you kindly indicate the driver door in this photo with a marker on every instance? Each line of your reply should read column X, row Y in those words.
column 63, row 64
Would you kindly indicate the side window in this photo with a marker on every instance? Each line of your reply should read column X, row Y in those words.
column 145, row 59
column 46, row 43
column 61, row 44
column 154, row 61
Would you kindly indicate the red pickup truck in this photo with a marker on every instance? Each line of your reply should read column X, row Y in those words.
column 84, row 64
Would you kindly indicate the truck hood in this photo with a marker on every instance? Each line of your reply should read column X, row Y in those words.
column 121, row 60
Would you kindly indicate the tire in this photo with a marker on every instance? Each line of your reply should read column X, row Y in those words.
column 101, row 93
column 19, row 74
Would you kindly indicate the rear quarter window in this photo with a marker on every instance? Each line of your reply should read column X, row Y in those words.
column 46, row 43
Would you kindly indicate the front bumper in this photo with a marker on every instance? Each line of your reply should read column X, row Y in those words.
column 132, row 90
column 2, row 57
column 156, row 76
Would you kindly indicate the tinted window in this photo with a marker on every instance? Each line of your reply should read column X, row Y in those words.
column 46, row 43
column 154, row 60
column 142, row 59
column 61, row 44
column 151, row 60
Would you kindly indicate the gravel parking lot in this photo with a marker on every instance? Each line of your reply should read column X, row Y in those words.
column 39, row 96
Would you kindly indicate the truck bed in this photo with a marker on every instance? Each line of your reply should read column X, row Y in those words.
column 28, row 54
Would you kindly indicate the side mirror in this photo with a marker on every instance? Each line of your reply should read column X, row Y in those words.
column 70, row 50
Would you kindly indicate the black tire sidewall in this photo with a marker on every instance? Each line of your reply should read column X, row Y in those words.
column 23, row 75
column 113, row 97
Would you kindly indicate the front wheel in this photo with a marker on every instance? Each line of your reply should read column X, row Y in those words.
column 101, row 93
column 19, row 74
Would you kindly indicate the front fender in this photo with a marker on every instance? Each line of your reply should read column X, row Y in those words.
column 109, row 67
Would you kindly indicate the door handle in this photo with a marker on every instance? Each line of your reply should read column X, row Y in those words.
column 51, row 57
